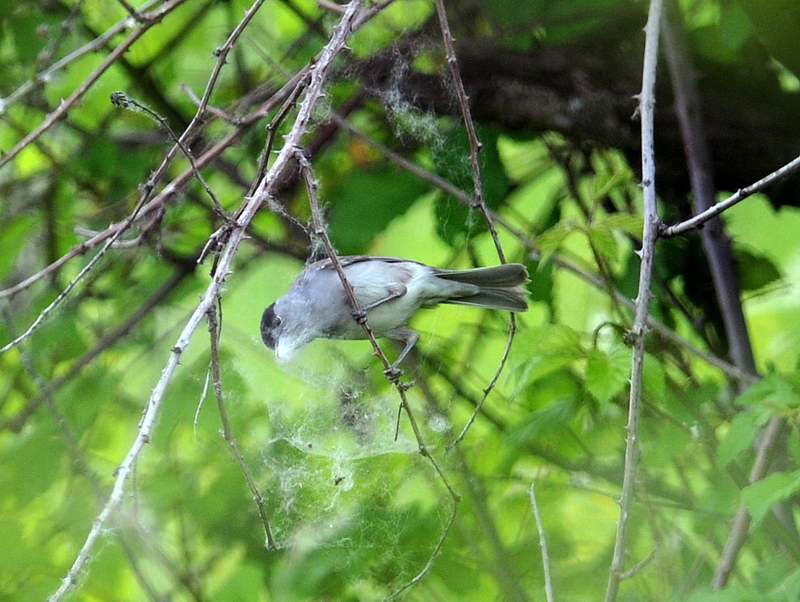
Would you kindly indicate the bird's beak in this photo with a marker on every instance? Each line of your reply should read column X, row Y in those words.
column 284, row 349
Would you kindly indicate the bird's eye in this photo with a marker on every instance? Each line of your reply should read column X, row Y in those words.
column 270, row 322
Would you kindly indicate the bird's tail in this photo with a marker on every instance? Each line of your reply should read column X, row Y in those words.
column 499, row 287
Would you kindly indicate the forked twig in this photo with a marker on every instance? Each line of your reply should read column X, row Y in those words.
column 122, row 100
column 393, row 376
column 319, row 73
column 478, row 201
column 227, row 432
column 148, row 20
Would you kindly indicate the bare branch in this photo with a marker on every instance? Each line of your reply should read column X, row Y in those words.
column 319, row 74
column 44, row 76
column 149, row 20
column 701, row 218
column 649, row 237
column 548, row 582
column 227, row 432
column 478, row 202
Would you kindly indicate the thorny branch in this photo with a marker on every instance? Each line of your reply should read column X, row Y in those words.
column 148, row 20
column 319, row 74
column 227, row 432
column 646, row 113
column 393, row 375
column 478, row 202
column 467, row 200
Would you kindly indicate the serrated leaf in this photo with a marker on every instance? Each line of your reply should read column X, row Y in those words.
column 774, row 391
column 560, row 338
column 603, row 183
column 655, row 380
column 604, row 242
column 741, row 434
column 761, row 496
column 551, row 240
column 755, row 271
column 625, row 222
column 366, row 202
column 607, row 373
column 541, row 422
column 538, row 352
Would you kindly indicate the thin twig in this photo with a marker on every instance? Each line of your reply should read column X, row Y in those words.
column 639, row 331
column 47, row 74
column 360, row 317
column 148, row 20
column 640, row 565
column 548, row 582
column 478, row 201
column 158, row 202
column 474, row 144
column 465, row 199
column 16, row 422
column 502, row 565
column 698, row 220
column 72, row 283
column 122, row 100
column 227, row 432
column 741, row 522
column 320, row 71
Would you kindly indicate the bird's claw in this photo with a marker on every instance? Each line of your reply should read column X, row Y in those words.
column 393, row 373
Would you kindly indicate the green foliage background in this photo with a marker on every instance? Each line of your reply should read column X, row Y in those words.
column 357, row 513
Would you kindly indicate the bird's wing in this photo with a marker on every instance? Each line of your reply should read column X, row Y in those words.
column 348, row 260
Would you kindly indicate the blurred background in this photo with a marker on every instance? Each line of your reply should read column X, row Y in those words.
column 355, row 511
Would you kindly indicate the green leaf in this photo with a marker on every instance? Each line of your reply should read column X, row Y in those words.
column 551, row 240
column 776, row 23
column 604, row 242
column 541, row 422
column 741, row 434
column 366, row 202
column 755, row 271
column 760, row 497
column 607, row 373
column 775, row 391
column 625, row 222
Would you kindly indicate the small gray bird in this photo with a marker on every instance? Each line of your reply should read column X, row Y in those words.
column 389, row 290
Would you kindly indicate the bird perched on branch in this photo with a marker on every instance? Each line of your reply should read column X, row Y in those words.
column 389, row 291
